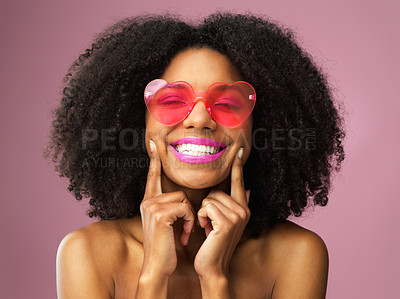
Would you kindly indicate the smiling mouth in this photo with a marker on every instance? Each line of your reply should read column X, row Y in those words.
column 197, row 150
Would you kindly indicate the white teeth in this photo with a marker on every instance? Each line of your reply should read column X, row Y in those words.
column 197, row 150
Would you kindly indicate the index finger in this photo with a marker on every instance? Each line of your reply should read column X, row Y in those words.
column 238, row 191
column 153, row 184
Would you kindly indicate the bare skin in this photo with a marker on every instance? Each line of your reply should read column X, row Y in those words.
column 190, row 239
column 104, row 260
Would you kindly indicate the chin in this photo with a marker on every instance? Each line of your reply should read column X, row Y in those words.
column 198, row 186
column 198, row 181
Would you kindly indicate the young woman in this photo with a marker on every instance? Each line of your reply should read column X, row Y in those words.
column 195, row 144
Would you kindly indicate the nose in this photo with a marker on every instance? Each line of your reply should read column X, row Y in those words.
column 199, row 117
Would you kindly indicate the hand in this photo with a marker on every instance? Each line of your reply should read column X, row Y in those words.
column 159, row 211
column 224, row 219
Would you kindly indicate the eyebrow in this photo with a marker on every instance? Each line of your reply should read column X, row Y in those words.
column 174, row 85
column 182, row 85
column 219, row 87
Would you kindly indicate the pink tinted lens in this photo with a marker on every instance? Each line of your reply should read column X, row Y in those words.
column 232, row 104
column 168, row 103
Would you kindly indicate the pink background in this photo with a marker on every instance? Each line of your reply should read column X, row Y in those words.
column 354, row 41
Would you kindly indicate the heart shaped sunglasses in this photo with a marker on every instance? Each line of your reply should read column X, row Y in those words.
column 228, row 104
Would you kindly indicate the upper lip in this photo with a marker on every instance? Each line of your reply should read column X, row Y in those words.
column 199, row 141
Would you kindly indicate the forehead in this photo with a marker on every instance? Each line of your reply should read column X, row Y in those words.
column 201, row 68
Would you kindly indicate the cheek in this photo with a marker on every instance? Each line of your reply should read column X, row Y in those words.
column 155, row 131
column 242, row 136
column 147, row 117
column 151, row 128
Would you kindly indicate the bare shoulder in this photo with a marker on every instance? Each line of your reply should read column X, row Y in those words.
column 107, row 241
column 88, row 257
column 298, row 259
column 291, row 237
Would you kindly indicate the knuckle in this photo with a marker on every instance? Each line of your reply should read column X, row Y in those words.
column 152, row 173
column 150, row 176
column 207, row 201
column 152, row 208
column 236, row 218
column 242, row 213
column 159, row 216
column 248, row 213
column 181, row 195
column 238, row 181
column 145, row 204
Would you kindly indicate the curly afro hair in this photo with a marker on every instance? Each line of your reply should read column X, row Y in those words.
column 103, row 94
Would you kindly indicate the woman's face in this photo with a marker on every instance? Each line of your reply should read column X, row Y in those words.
column 200, row 68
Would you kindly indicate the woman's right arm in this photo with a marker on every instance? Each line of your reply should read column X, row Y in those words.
column 79, row 273
column 159, row 211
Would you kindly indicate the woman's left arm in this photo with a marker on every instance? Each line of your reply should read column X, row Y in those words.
column 305, row 271
column 224, row 219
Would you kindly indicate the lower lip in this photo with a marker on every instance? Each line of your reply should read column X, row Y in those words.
column 197, row 159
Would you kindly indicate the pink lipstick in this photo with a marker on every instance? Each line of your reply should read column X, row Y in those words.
column 195, row 150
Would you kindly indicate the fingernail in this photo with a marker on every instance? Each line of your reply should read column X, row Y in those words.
column 240, row 154
column 152, row 145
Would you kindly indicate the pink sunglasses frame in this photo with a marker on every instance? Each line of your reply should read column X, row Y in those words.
column 156, row 85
